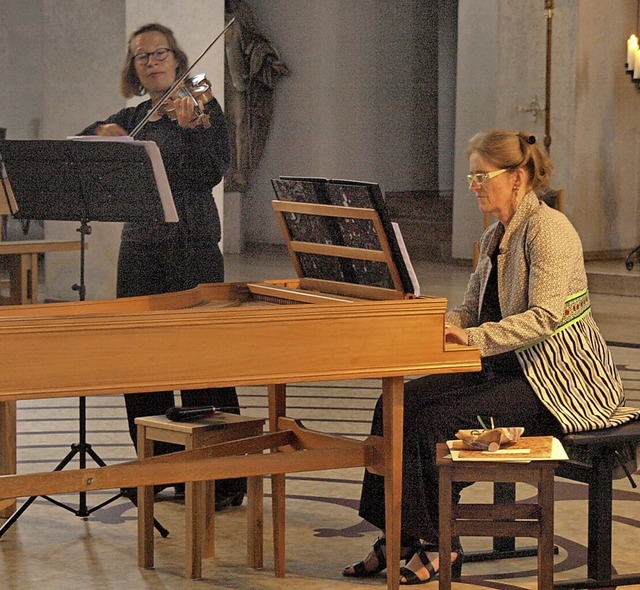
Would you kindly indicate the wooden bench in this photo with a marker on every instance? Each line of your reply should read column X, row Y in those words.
column 20, row 258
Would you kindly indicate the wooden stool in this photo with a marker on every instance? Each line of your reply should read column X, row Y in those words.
column 496, row 520
column 200, row 495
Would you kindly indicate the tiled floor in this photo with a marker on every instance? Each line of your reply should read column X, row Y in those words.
column 52, row 549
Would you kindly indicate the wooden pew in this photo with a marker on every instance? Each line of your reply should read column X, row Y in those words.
column 21, row 260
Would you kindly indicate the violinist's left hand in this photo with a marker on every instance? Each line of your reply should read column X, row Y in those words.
column 185, row 113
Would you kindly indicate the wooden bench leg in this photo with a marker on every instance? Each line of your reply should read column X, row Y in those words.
column 278, row 501
column 210, row 522
column 194, row 504
column 8, row 457
column 445, row 532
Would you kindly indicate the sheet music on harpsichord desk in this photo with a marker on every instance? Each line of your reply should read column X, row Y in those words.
column 340, row 231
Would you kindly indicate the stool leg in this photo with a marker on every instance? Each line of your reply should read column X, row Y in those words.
column 278, row 490
column 8, row 456
column 255, row 522
column 194, row 506
column 145, row 506
column 210, row 516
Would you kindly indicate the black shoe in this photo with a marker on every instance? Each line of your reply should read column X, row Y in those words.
column 223, row 502
column 132, row 493
column 372, row 567
column 410, row 578
column 376, row 561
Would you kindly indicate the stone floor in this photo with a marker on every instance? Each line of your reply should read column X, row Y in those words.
column 52, row 549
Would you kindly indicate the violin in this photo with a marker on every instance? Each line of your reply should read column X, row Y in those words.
column 198, row 89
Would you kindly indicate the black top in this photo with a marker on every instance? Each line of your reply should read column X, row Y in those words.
column 506, row 362
column 195, row 161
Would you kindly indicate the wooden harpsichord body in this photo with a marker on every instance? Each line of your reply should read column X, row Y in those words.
column 217, row 335
column 314, row 328
column 269, row 333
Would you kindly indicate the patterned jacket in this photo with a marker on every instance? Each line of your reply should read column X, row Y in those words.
column 547, row 320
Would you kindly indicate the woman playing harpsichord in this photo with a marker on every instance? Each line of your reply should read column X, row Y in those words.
column 545, row 365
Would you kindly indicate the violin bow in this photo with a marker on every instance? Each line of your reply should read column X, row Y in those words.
column 177, row 83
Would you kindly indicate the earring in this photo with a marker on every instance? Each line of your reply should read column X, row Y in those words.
column 516, row 188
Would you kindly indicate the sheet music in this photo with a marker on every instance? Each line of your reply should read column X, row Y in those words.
column 407, row 260
column 159, row 172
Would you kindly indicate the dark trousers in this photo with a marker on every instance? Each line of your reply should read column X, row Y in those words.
column 151, row 268
column 435, row 408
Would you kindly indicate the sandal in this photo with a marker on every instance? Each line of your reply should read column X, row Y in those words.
column 411, row 578
column 359, row 569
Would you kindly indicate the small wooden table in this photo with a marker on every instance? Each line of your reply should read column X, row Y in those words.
column 21, row 259
column 496, row 520
column 199, row 497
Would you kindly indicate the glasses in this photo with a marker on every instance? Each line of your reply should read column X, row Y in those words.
column 482, row 177
column 142, row 59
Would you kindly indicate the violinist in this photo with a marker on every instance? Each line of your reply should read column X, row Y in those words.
column 165, row 257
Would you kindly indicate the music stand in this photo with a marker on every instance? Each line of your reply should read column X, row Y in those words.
column 86, row 179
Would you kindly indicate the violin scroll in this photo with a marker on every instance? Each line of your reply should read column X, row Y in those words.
column 198, row 89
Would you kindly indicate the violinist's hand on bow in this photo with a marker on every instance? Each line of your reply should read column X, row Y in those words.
column 455, row 334
column 110, row 129
column 185, row 112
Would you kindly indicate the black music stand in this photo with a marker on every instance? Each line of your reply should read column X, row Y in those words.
column 86, row 180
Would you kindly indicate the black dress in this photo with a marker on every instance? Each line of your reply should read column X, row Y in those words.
column 162, row 257
column 435, row 408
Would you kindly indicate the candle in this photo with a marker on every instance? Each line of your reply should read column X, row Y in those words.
column 636, row 68
column 632, row 47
